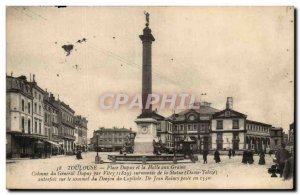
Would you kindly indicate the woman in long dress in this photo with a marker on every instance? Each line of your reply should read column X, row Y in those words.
column 217, row 156
column 262, row 159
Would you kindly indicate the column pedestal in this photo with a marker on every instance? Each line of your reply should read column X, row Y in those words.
column 146, row 133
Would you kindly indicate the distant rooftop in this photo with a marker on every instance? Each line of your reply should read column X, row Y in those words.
column 114, row 129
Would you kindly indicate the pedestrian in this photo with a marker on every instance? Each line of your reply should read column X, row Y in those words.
column 233, row 153
column 245, row 155
column 270, row 153
column 250, row 157
column 217, row 156
column 229, row 153
column 281, row 156
column 78, row 155
column 262, row 158
column 205, row 153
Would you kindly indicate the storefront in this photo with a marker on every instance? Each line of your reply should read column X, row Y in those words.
column 20, row 145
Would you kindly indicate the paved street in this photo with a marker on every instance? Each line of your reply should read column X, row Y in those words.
column 231, row 173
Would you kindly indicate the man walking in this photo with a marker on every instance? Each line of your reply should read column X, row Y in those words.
column 233, row 153
column 205, row 153
column 229, row 153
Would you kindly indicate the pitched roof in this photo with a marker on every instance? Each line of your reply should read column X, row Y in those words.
column 204, row 110
column 19, row 84
column 152, row 114
column 258, row 123
column 233, row 114
column 113, row 130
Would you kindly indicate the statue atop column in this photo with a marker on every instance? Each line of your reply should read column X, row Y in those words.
column 147, row 18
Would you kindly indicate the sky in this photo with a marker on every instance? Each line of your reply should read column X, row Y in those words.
column 242, row 52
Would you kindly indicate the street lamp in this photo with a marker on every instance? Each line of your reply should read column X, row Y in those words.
column 97, row 158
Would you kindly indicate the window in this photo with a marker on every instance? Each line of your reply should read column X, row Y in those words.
column 219, row 141
column 35, row 107
column 219, row 136
column 40, row 128
column 35, row 126
column 28, row 107
column 235, row 124
column 236, row 136
column 40, row 97
column 40, row 108
column 276, row 142
column 275, row 134
column 29, row 126
column 219, row 124
column 23, row 105
column 23, row 124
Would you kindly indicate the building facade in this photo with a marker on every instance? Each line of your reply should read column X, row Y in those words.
column 194, row 124
column 51, row 122
column 66, row 127
column 111, row 139
column 257, row 136
column 81, row 133
column 208, row 128
column 38, row 110
column 276, row 138
column 38, row 125
column 24, row 122
column 228, row 130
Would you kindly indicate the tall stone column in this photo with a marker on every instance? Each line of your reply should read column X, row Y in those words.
column 147, row 39
column 146, row 124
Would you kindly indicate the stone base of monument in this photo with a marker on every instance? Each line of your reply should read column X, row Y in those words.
column 143, row 146
column 144, row 158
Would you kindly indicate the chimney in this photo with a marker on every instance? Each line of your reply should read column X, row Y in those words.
column 30, row 77
column 33, row 77
column 51, row 96
column 229, row 103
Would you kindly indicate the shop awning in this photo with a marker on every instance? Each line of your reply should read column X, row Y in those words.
column 53, row 143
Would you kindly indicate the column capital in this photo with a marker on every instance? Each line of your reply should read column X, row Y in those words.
column 147, row 36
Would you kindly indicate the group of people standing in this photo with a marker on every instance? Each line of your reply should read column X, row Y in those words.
column 247, row 156
column 231, row 153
